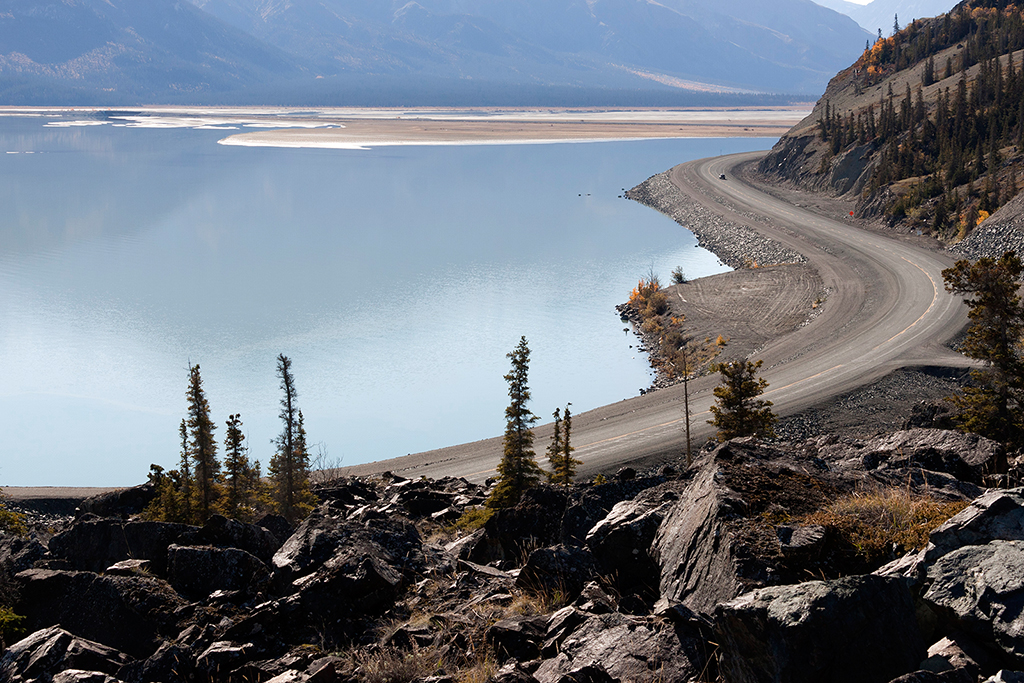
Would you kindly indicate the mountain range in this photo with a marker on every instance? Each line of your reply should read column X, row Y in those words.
column 400, row 52
column 880, row 14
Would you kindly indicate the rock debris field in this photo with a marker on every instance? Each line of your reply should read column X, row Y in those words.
column 736, row 569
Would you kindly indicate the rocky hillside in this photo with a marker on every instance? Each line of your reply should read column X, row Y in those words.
column 926, row 129
column 795, row 562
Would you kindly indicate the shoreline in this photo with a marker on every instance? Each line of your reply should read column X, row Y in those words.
column 760, row 265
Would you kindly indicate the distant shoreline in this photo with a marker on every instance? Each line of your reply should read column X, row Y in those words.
column 380, row 128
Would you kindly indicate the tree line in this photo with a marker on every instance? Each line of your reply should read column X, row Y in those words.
column 203, row 485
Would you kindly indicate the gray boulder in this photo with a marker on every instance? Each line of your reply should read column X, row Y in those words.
column 626, row 648
column 957, row 654
column 519, row 639
column 693, row 546
column 122, row 503
column 980, row 590
column 328, row 534
column 92, row 544
column 968, row 457
column 230, row 533
column 859, row 629
column 1007, row 677
column 82, row 676
column 132, row 614
column 998, row 514
column 18, row 554
column 561, row 569
column 47, row 652
column 622, row 541
column 197, row 571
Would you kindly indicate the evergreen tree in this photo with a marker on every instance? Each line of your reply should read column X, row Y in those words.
column 239, row 493
column 289, row 466
column 992, row 407
column 738, row 411
column 183, row 486
column 517, row 470
column 555, row 447
column 563, row 465
column 203, row 447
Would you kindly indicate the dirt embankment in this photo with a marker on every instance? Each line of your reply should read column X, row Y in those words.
column 771, row 291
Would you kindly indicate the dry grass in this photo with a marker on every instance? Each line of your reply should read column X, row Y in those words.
column 393, row 665
column 876, row 522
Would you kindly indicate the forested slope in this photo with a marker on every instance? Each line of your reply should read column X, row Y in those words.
column 926, row 128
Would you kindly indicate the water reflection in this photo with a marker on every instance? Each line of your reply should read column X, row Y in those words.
column 396, row 279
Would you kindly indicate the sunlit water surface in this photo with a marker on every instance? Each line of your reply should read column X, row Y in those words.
column 396, row 279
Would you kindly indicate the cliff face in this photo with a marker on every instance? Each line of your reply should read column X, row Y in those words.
column 926, row 129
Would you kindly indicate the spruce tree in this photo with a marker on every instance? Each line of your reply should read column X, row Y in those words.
column 992, row 406
column 563, row 465
column 517, row 470
column 203, row 447
column 182, row 488
column 555, row 447
column 289, row 466
column 238, row 493
column 738, row 411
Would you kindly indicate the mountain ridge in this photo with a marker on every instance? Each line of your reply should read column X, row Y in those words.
column 321, row 51
column 923, row 130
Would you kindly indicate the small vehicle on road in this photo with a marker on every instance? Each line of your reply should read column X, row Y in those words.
column 721, row 176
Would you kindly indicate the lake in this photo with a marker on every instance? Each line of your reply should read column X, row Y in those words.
column 396, row 279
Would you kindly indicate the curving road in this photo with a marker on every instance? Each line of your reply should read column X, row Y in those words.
column 886, row 308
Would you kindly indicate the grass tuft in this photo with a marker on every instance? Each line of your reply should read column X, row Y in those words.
column 877, row 522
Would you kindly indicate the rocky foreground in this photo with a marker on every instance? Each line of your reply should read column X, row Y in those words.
column 739, row 568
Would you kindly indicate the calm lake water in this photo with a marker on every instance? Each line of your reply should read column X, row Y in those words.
column 396, row 279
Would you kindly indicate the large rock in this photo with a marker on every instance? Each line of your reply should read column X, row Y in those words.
column 559, row 570
column 132, row 614
column 622, row 541
column 588, row 505
column 197, row 571
column 18, row 554
column 83, row 676
column 980, row 589
column 122, row 503
column 968, row 457
column 693, row 547
column 328, row 535
column 92, row 544
column 230, row 533
column 859, row 629
column 996, row 515
column 49, row 651
column 628, row 649
column 519, row 639
column 512, row 533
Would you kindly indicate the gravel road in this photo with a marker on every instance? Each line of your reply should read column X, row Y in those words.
column 886, row 309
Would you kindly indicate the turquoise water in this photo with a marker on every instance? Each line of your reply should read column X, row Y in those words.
column 396, row 279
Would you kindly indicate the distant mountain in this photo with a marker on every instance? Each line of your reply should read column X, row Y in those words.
column 880, row 14
column 140, row 49
column 321, row 51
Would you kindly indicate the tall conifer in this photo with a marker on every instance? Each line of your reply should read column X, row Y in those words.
column 203, row 447
column 517, row 470
column 289, row 466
